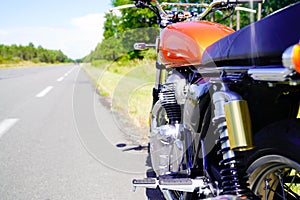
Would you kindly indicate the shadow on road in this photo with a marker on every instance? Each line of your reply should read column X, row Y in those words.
column 152, row 194
column 136, row 148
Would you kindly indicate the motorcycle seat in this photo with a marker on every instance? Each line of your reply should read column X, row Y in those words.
column 258, row 44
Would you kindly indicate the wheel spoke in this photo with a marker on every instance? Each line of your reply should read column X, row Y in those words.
column 280, row 174
column 288, row 188
column 282, row 185
column 291, row 192
column 275, row 192
column 267, row 187
column 292, row 181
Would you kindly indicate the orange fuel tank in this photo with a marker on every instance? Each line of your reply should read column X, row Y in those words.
column 182, row 44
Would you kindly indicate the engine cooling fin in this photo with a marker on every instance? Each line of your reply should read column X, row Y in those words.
column 169, row 103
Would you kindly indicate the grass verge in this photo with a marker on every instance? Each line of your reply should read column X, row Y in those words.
column 28, row 64
column 128, row 86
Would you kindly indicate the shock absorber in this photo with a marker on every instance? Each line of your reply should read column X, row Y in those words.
column 233, row 178
column 232, row 119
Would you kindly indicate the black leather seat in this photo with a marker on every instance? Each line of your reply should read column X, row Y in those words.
column 261, row 43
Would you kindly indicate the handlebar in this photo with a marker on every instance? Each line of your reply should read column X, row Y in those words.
column 244, row 1
column 122, row 7
column 159, row 6
column 185, row 4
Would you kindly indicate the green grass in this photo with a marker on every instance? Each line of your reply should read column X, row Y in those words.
column 128, row 85
column 139, row 105
column 23, row 64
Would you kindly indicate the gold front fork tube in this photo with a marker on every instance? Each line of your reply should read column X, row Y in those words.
column 239, row 125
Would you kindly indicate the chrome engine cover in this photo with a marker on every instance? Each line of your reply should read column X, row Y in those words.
column 167, row 139
column 166, row 147
column 194, row 104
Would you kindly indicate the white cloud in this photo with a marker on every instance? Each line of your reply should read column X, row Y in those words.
column 76, row 42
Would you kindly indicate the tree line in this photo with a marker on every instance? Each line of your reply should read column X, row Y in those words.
column 17, row 53
column 133, row 25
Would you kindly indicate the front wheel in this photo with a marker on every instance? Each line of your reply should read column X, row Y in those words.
column 274, row 167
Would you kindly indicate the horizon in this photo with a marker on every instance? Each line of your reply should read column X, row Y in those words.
column 74, row 27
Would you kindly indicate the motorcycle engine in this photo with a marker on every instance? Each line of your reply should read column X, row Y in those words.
column 167, row 131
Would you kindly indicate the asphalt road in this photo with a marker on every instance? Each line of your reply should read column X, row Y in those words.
column 58, row 141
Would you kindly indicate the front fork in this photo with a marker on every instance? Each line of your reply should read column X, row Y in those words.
column 232, row 119
column 160, row 69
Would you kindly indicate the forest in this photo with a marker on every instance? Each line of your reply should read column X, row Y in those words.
column 17, row 53
column 133, row 25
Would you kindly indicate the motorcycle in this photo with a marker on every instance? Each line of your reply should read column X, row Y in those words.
column 225, row 103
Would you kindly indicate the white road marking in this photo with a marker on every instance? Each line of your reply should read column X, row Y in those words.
column 65, row 75
column 60, row 79
column 44, row 92
column 7, row 124
column 69, row 72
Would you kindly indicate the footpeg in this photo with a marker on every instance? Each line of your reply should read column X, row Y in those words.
column 146, row 182
column 175, row 181
column 179, row 184
column 182, row 184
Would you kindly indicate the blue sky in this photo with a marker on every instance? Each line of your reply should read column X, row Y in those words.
column 73, row 26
